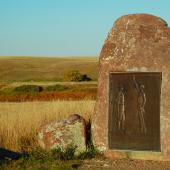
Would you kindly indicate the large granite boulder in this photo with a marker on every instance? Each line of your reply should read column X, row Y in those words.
column 63, row 134
column 136, row 43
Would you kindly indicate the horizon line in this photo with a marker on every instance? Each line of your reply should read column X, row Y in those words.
column 46, row 56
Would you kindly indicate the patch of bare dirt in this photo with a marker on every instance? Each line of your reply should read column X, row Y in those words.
column 123, row 164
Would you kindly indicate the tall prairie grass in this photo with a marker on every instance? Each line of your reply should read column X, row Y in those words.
column 19, row 122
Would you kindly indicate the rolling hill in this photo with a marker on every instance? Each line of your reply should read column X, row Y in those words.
column 45, row 68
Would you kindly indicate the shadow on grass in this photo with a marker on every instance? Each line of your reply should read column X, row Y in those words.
column 10, row 155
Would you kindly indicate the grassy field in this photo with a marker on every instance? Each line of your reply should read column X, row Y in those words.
column 47, row 73
column 44, row 68
column 47, row 91
column 22, row 112
column 19, row 121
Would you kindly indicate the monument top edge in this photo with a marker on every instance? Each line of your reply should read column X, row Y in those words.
column 143, row 17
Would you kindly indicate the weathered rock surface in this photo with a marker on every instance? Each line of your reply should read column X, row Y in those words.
column 63, row 134
column 136, row 43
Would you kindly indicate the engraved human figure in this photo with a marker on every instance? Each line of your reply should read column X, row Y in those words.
column 121, row 109
column 141, row 105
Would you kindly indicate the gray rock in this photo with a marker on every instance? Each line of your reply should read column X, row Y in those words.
column 63, row 134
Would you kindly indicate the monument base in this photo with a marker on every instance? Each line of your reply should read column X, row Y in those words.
column 129, row 154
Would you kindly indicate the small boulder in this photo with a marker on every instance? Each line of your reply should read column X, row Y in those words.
column 63, row 134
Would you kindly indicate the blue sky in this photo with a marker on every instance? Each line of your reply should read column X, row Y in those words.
column 65, row 27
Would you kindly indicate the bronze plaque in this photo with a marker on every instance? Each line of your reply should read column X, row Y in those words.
column 134, row 111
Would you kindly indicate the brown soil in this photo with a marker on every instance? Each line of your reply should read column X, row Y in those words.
column 123, row 164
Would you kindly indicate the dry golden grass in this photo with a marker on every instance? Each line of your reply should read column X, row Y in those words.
column 19, row 121
column 45, row 68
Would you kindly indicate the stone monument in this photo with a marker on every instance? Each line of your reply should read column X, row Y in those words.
column 132, row 112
